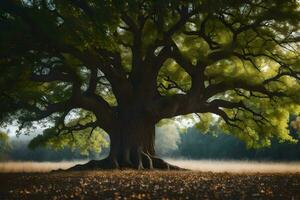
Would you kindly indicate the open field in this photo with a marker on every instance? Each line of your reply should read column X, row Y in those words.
column 216, row 180
column 238, row 166
column 196, row 165
column 149, row 185
column 17, row 167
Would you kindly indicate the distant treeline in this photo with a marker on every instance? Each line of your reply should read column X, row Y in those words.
column 195, row 145
column 190, row 145
column 18, row 151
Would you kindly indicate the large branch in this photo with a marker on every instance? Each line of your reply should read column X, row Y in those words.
column 88, row 100
column 51, row 108
column 225, row 117
column 52, row 76
column 284, row 69
column 231, row 105
column 170, row 106
column 202, row 33
column 145, row 71
column 57, row 72
column 117, row 78
column 222, row 87
column 94, row 104
column 217, row 104
column 185, row 14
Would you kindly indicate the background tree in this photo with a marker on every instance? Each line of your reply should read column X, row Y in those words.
column 193, row 144
column 4, row 145
column 133, row 63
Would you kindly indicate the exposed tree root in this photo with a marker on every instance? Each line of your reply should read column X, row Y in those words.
column 94, row 165
column 148, row 163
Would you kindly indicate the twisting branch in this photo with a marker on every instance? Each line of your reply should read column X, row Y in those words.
column 88, row 57
column 172, row 85
column 77, row 127
column 238, row 105
column 38, row 114
column 242, row 57
column 222, row 87
column 202, row 33
column 93, row 81
column 226, row 118
column 181, row 60
column 53, row 75
column 290, row 73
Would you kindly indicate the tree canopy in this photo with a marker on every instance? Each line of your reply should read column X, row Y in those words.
column 233, row 63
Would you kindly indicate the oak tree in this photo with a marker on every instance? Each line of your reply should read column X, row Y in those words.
column 123, row 66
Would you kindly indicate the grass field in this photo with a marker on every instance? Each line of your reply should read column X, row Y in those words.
column 196, row 165
column 232, row 183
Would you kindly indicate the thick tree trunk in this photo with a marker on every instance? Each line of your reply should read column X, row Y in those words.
column 131, row 146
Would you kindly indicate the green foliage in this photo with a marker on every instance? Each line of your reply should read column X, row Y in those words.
column 5, row 145
column 296, row 124
column 248, row 52
column 4, row 141
column 173, row 79
column 90, row 139
column 85, row 141
column 205, row 122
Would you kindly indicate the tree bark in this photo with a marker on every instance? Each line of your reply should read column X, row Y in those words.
column 131, row 147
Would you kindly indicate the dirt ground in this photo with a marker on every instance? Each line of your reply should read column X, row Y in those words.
column 149, row 185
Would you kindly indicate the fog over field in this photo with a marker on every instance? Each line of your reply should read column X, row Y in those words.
column 197, row 165
column 191, row 150
column 238, row 166
column 12, row 167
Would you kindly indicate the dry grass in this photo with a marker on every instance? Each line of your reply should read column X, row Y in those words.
column 16, row 167
column 198, row 165
column 238, row 166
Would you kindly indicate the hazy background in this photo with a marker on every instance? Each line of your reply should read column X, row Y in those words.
column 170, row 143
